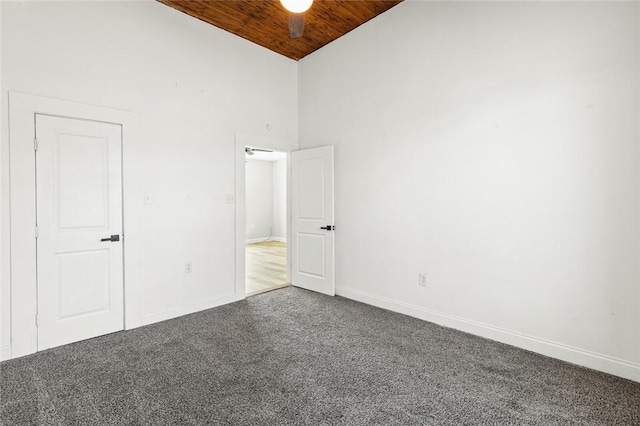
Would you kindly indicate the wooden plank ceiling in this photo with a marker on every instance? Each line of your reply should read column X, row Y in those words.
column 265, row 21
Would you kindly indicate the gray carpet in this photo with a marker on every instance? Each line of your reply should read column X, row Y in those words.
column 296, row 357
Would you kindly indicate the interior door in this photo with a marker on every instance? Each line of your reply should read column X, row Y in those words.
column 79, row 229
column 312, row 227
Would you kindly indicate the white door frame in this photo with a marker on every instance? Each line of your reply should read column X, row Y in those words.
column 22, row 110
column 263, row 142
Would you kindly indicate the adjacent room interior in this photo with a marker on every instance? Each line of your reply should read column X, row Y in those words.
column 460, row 230
column 266, row 220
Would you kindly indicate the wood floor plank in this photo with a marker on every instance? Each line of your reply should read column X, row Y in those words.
column 266, row 265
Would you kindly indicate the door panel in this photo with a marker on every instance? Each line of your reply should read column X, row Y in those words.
column 83, row 281
column 312, row 209
column 311, row 265
column 79, row 202
column 311, row 181
column 83, row 190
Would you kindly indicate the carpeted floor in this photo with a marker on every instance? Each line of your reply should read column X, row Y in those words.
column 293, row 357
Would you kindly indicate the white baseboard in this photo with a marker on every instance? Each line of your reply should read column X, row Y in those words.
column 188, row 309
column 604, row 363
column 5, row 353
column 259, row 240
column 255, row 240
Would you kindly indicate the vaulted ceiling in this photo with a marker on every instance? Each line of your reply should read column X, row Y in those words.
column 265, row 22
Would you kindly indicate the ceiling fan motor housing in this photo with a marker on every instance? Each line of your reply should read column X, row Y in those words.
column 296, row 24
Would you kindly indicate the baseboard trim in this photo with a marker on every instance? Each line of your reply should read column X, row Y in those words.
column 188, row 309
column 5, row 353
column 260, row 240
column 604, row 363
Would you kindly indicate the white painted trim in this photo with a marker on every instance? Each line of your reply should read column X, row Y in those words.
column 22, row 110
column 5, row 353
column 256, row 240
column 264, row 142
column 607, row 364
column 259, row 240
column 189, row 309
column 240, row 220
column 255, row 141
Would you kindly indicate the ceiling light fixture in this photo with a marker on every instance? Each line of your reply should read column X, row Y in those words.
column 296, row 6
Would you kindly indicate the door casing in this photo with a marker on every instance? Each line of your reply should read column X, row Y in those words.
column 255, row 141
column 23, row 285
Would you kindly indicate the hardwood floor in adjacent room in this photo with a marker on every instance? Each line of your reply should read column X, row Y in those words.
column 266, row 266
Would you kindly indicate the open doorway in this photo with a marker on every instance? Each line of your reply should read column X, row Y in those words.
column 266, row 220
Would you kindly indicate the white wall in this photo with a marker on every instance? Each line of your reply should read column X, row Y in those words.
column 193, row 86
column 494, row 146
column 266, row 199
column 280, row 199
column 259, row 199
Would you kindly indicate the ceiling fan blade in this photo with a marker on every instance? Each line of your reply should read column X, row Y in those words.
column 296, row 25
column 252, row 151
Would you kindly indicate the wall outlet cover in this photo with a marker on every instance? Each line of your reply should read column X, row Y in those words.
column 422, row 279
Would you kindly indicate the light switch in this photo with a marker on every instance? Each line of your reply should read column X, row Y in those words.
column 148, row 198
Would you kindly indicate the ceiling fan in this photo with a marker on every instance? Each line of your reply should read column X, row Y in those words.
column 296, row 9
column 252, row 151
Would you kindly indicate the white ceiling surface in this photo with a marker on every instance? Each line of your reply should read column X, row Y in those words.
column 267, row 156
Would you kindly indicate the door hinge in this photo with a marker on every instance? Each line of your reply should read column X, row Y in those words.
column 36, row 231
column 35, row 144
column 37, row 320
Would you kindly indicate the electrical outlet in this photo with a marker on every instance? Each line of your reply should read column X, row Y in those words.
column 188, row 268
column 422, row 279
column 230, row 198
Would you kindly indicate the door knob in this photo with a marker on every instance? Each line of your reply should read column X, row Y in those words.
column 328, row 227
column 115, row 237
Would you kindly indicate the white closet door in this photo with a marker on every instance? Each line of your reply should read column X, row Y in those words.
column 79, row 205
